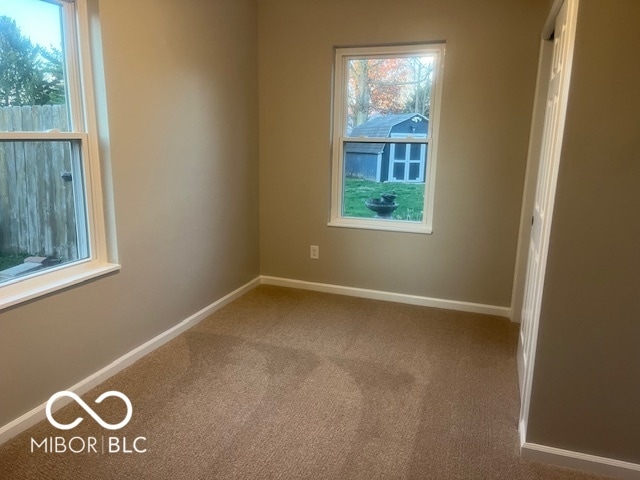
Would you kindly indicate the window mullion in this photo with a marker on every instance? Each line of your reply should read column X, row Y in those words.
column 48, row 136
column 72, row 61
column 80, row 160
column 418, row 140
column 81, row 211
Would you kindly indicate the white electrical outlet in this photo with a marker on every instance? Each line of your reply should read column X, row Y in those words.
column 314, row 252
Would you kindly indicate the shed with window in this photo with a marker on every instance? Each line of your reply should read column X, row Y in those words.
column 393, row 162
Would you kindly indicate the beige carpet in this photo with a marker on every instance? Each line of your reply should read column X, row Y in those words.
column 287, row 384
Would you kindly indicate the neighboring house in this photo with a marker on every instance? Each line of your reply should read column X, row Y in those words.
column 388, row 161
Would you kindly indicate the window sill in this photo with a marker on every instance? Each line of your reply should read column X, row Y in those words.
column 388, row 226
column 33, row 286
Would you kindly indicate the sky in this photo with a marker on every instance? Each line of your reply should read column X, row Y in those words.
column 37, row 19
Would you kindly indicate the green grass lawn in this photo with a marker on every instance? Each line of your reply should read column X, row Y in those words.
column 8, row 261
column 410, row 198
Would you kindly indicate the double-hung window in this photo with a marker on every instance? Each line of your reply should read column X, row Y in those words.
column 385, row 129
column 52, row 231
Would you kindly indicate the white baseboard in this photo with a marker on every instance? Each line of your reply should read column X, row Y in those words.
column 388, row 296
column 36, row 415
column 581, row 461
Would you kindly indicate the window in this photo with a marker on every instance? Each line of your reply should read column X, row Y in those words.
column 385, row 126
column 52, row 230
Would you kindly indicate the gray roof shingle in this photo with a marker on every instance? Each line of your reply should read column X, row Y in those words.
column 381, row 125
column 377, row 127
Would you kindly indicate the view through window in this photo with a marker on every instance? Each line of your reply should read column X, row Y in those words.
column 43, row 219
column 384, row 118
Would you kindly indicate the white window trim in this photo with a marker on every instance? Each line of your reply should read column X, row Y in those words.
column 339, row 139
column 80, row 82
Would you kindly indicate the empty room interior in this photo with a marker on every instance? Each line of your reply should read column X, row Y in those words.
column 273, row 290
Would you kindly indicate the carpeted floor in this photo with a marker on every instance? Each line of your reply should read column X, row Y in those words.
column 288, row 384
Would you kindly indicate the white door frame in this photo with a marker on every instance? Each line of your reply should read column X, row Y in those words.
column 530, row 179
column 546, row 142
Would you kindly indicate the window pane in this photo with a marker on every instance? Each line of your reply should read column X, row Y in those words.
column 367, row 167
column 398, row 172
column 400, row 151
column 416, row 151
column 414, row 171
column 42, row 213
column 33, row 91
column 387, row 96
column 382, row 162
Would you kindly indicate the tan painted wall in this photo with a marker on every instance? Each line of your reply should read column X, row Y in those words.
column 586, row 388
column 490, row 72
column 183, row 123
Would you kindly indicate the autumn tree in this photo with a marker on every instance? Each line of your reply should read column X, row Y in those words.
column 420, row 98
column 29, row 75
column 387, row 80
column 388, row 86
column 359, row 91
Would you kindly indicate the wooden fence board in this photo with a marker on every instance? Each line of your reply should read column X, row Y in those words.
column 37, row 211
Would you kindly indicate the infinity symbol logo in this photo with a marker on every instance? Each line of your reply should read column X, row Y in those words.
column 87, row 408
